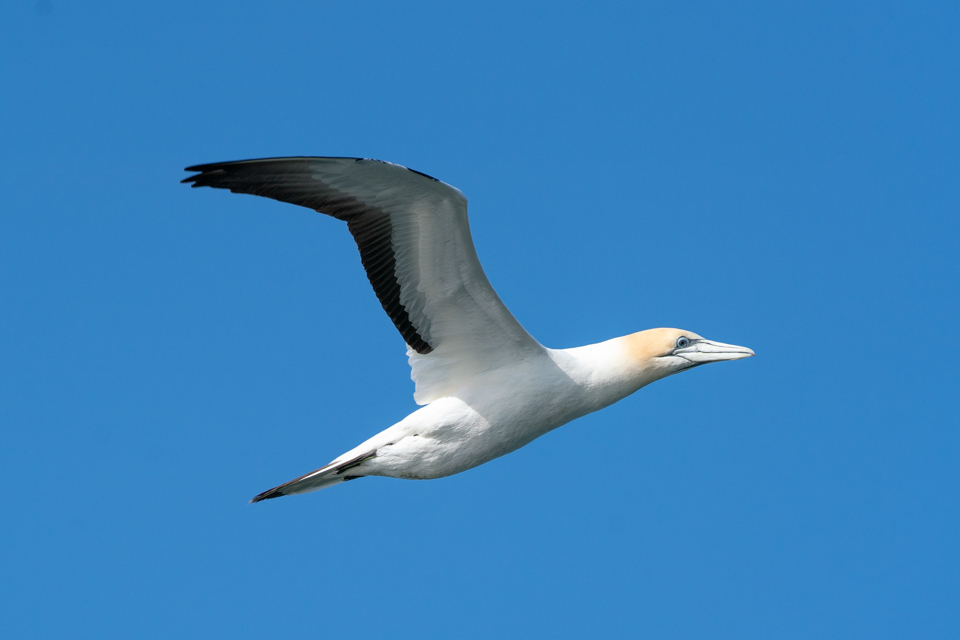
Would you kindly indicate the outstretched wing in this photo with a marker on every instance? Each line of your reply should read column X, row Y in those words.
column 415, row 245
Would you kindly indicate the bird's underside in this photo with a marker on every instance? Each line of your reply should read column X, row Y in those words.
column 488, row 386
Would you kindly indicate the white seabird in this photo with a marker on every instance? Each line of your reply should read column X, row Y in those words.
column 488, row 386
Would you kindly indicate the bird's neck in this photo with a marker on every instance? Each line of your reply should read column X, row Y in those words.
column 609, row 371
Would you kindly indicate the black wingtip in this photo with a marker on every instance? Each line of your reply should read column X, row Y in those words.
column 210, row 166
column 204, row 172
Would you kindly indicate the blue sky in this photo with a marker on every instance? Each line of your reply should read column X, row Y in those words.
column 783, row 177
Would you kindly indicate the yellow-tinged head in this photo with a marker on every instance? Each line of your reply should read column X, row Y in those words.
column 663, row 352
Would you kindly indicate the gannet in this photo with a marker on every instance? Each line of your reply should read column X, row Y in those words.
column 486, row 385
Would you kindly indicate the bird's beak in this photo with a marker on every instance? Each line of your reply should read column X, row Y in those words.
column 704, row 351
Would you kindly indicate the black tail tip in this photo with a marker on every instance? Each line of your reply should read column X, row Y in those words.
column 267, row 495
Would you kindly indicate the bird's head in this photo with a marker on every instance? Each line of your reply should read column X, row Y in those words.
column 663, row 352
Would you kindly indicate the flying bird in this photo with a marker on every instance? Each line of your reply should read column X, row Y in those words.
column 487, row 386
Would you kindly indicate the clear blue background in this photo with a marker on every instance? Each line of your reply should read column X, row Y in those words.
column 779, row 176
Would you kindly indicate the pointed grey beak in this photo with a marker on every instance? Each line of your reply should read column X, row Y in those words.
column 704, row 351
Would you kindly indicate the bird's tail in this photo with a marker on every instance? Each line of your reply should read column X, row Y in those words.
column 333, row 473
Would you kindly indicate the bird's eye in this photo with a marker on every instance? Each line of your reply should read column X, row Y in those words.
column 682, row 342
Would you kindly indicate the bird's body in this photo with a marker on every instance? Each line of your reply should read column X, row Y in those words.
column 500, row 412
column 488, row 386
